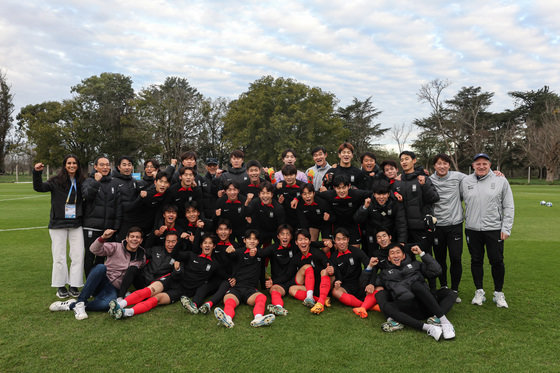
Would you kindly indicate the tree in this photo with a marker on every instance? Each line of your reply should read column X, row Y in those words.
column 358, row 120
column 103, row 106
column 400, row 135
column 426, row 146
column 276, row 114
column 6, row 111
column 210, row 141
column 170, row 115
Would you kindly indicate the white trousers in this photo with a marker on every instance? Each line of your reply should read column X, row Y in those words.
column 75, row 238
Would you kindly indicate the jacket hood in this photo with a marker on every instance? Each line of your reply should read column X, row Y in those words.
column 236, row 171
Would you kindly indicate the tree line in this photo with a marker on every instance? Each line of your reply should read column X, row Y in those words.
column 106, row 116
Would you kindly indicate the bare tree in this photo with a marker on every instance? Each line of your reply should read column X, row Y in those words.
column 400, row 135
column 6, row 111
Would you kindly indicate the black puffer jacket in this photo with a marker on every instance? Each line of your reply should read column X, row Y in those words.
column 417, row 199
column 390, row 216
column 127, row 188
column 59, row 194
column 238, row 175
column 103, row 208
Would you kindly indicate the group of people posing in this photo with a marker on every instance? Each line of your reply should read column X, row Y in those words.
column 363, row 236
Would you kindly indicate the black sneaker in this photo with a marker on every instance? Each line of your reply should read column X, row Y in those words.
column 74, row 292
column 62, row 292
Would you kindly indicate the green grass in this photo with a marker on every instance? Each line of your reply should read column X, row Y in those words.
column 519, row 339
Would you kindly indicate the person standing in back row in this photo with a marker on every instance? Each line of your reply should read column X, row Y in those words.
column 489, row 212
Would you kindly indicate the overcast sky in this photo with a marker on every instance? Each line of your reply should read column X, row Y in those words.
column 383, row 49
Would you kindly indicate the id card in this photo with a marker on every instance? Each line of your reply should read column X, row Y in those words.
column 70, row 211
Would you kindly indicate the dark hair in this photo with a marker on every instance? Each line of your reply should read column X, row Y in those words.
column 346, row 145
column 171, row 233
column 192, row 205
column 122, row 158
column 340, row 179
column 382, row 188
column 98, row 158
column 237, row 153
column 367, row 154
column 161, row 174
column 154, row 163
column 281, row 227
column 319, row 148
column 170, row 207
column 183, row 169
column 393, row 245
column 304, row 232
column 289, row 169
column 307, row 186
column 266, row 185
column 251, row 231
column 62, row 178
column 383, row 229
column 134, row 229
column 388, row 162
column 188, row 155
column 409, row 153
column 209, row 235
column 443, row 157
column 253, row 163
column 289, row 150
column 231, row 182
column 342, row 231
column 225, row 222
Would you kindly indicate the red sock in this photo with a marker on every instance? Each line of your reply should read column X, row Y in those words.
column 300, row 295
column 309, row 279
column 324, row 288
column 145, row 306
column 138, row 296
column 369, row 301
column 229, row 307
column 260, row 302
column 350, row 300
column 276, row 298
column 210, row 303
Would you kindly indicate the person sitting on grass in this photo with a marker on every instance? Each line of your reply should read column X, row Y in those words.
column 186, row 280
column 412, row 299
column 246, row 272
column 104, row 280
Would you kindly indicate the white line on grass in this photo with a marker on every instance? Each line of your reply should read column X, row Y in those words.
column 21, row 229
column 13, row 199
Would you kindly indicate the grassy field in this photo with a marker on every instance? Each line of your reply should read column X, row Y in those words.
column 519, row 339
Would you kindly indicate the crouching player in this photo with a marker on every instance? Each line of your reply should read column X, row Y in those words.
column 310, row 265
column 412, row 300
column 347, row 271
column 187, row 279
column 247, row 270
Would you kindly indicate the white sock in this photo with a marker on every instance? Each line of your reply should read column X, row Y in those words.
column 258, row 316
column 128, row 312
column 309, row 293
column 444, row 320
column 426, row 327
column 122, row 302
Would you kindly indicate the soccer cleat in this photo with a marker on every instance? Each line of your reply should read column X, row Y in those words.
column 277, row 309
column 360, row 311
column 433, row 321
column 391, row 326
column 115, row 310
column 448, row 331
column 189, row 305
column 62, row 305
column 263, row 320
column 223, row 319
column 434, row 332
column 205, row 308
column 317, row 308
column 479, row 297
column 74, row 292
column 309, row 302
column 500, row 299
column 80, row 311
column 62, row 292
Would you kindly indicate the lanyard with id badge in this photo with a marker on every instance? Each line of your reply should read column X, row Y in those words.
column 70, row 208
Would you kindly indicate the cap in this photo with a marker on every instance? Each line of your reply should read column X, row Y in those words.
column 481, row 155
column 211, row 161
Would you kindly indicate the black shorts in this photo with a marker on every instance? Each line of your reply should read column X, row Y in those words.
column 286, row 285
column 174, row 289
column 355, row 290
column 242, row 293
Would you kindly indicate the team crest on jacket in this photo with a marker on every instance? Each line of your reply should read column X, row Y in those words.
column 352, row 178
column 239, row 210
column 208, row 266
column 414, row 187
column 271, row 214
column 351, row 260
column 350, row 204
column 290, row 254
column 409, row 266
column 318, row 211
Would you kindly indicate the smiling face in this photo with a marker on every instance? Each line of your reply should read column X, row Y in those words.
column 125, row 167
column 170, row 242
column 187, row 178
column 169, row 217
column 254, row 172
column 251, row 242
column 481, row 166
column 407, row 163
column 383, row 239
column 320, row 158
column 342, row 190
column 368, row 163
column 345, row 156
column 103, row 166
column 71, row 166
column 133, row 241
column 290, row 158
column 381, row 198
column 223, row 232
column 390, row 171
column 396, row 256
column 442, row 167
column 303, row 243
column 189, row 162
column 266, row 196
column 232, row 192
column 290, row 179
column 161, row 184
column 307, row 196
column 150, row 170
column 207, row 246
column 192, row 215
column 341, row 242
column 284, row 237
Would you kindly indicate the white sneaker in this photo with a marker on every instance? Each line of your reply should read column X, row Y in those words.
column 500, row 299
column 479, row 297
column 434, row 331
column 448, row 331
column 80, row 311
column 62, row 305
column 263, row 320
column 222, row 318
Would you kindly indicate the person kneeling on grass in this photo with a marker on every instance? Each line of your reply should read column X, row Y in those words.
column 104, row 280
column 412, row 299
column 187, row 279
column 247, row 269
